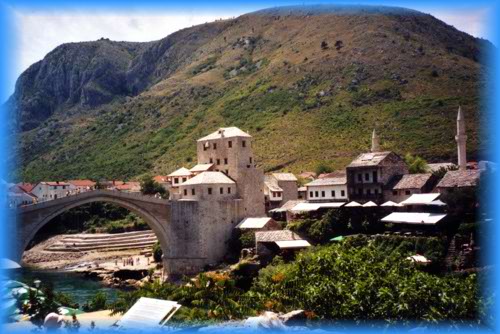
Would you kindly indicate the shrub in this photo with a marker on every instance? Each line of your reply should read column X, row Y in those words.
column 98, row 302
column 157, row 252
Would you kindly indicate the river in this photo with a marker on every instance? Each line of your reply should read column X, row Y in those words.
column 79, row 287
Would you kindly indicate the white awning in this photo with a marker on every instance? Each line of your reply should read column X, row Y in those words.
column 292, row 244
column 438, row 203
column 391, row 203
column 421, row 199
column 249, row 223
column 148, row 313
column 369, row 204
column 353, row 204
column 414, row 218
column 305, row 207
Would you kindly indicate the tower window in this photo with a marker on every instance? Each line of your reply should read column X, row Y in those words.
column 243, row 143
column 218, row 161
column 230, row 144
column 185, row 192
column 250, row 159
column 210, row 191
column 193, row 192
column 211, row 160
column 228, row 190
column 215, row 146
column 225, row 161
column 221, row 190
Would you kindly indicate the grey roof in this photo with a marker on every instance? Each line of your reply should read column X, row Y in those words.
column 412, row 181
column 369, row 159
column 226, row 133
column 284, row 177
column 460, row 178
column 209, row 178
column 272, row 183
column 332, row 181
column 183, row 171
column 201, row 167
column 280, row 235
column 288, row 205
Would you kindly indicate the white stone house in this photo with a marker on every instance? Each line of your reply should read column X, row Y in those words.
column 208, row 186
column 46, row 191
column 327, row 189
column 81, row 185
column 18, row 197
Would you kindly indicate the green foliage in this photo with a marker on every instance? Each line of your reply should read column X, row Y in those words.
column 247, row 239
column 157, row 252
column 40, row 304
column 416, row 164
column 98, row 302
column 323, row 168
column 65, row 299
column 439, row 173
column 345, row 282
column 151, row 187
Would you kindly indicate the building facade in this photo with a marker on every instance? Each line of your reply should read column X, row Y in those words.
column 327, row 190
column 46, row 191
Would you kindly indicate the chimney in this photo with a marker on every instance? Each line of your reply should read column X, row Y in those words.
column 461, row 139
column 375, row 142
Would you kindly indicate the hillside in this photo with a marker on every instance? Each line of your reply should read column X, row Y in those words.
column 309, row 83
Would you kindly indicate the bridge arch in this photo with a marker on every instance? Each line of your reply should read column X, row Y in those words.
column 153, row 211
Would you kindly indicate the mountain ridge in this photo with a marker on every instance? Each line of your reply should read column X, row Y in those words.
column 270, row 74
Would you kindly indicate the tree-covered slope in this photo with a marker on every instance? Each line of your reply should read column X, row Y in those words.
column 309, row 83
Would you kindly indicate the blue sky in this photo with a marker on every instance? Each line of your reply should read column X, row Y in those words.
column 39, row 29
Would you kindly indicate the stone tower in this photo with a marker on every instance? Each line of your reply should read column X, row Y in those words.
column 375, row 142
column 230, row 151
column 461, row 138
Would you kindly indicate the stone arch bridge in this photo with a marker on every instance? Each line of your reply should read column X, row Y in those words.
column 192, row 234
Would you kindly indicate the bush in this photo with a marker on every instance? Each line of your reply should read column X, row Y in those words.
column 157, row 252
column 416, row 164
column 343, row 282
column 323, row 168
column 98, row 302
column 247, row 239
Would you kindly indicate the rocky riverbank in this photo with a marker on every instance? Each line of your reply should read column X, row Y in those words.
column 120, row 269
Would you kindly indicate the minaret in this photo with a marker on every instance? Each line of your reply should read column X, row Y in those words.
column 375, row 142
column 461, row 138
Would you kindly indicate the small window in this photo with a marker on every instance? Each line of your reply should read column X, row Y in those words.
column 205, row 146
column 215, row 146
column 176, row 180
column 227, row 172
column 193, row 192
column 367, row 177
column 407, row 192
column 395, row 192
column 323, row 193
column 228, row 190
column 221, row 190
column 184, row 179
column 316, row 194
column 185, row 192
column 250, row 159
column 230, row 144
column 311, row 194
column 360, row 191
column 218, row 161
column 244, row 143
column 210, row 191
column 333, row 193
column 342, row 193
column 360, row 177
column 225, row 161
column 211, row 160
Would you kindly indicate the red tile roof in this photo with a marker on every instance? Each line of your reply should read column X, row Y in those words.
column 26, row 187
column 82, row 183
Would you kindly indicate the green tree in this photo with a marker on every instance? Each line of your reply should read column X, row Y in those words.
column 151, row 187
column 416, row 164
column 323, row 168
column 98, row 302
column 157, row 252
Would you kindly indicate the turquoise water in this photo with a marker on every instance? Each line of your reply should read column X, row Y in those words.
column 76, row 285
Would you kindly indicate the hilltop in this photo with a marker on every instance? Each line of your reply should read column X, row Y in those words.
column 309, row 83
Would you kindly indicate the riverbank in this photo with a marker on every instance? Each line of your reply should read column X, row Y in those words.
column 119, row 268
